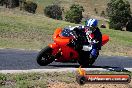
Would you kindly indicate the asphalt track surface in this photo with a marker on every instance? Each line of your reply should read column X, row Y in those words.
column 13, row 59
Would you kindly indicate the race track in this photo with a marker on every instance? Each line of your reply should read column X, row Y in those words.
column 13, row 59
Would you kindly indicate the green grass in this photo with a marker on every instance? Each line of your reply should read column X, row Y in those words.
column 34, row 80
column 34, row 31
column 44, row 2
column 120, row 42
column 41, row 80
column 26, row 30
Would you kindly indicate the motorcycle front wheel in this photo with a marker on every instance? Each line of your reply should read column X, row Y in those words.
column 45, row 56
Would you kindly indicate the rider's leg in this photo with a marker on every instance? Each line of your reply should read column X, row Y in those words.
column 94, row 53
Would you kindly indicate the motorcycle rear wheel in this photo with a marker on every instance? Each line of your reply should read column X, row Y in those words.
column 45, row 56
column 85, row 60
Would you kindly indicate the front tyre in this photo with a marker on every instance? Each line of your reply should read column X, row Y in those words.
column 45, row 56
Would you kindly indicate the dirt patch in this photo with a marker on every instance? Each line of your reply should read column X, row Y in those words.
column 75, row 85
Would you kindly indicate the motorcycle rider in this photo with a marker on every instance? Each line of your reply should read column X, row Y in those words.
column 93, row 24
column 90, row 28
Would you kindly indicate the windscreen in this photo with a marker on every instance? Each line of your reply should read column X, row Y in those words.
column 66, row 32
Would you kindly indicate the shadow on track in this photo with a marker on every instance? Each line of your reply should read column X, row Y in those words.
column 109, row 68
column 65, row 66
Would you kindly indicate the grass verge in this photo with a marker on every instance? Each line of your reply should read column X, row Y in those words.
column 42, row 80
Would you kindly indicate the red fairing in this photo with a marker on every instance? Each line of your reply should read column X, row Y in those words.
column 55, row 48
column 61, row 42
column 69, row 53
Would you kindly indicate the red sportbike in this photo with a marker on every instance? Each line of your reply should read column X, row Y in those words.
column 64, row 49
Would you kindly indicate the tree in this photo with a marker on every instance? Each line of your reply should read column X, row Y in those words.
column 10, row 3
column 1, row 2
column 21, row 4
column 118, row 12
column 53, row 11
column 30, row 6
column 129, row 25
column 74, row 15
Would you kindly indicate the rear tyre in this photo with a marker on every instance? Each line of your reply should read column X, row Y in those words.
column 92, row 58
column 45, row 56
column 86, row 60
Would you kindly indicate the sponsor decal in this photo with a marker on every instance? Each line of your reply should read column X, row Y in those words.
column 83, row 78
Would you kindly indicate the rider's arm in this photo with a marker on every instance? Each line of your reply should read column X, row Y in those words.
column 98, row 37
column 78, row 27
